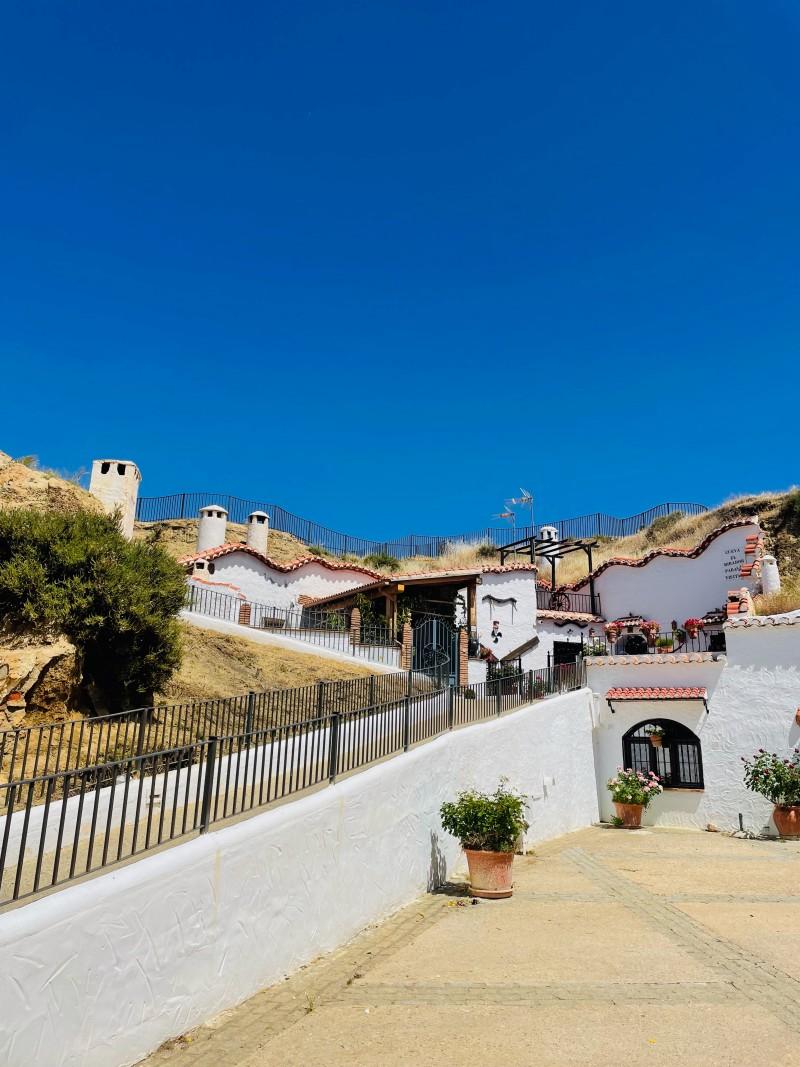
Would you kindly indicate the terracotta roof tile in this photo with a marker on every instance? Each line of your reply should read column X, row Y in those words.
column 567, row 616
column 695, row 692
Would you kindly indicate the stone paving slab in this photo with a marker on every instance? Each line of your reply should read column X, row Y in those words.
column 657, row 948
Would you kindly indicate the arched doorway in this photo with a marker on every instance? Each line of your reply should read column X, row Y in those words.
column 677, row 761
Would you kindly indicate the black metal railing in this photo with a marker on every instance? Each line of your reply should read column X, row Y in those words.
column 631, row 643
column 567, row 600
column 597, row 524
column 66, row 823
column 33, row 751
column 327, row 629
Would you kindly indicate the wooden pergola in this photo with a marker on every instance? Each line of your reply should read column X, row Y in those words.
column 551, row 551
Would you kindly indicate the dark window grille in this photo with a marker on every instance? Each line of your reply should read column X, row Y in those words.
column 678, row 761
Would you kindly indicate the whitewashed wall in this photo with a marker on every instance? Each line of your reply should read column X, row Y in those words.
column 752, row 703
column 548, row 632
column 262, row 583
column 101, row 973
column 517, row 621
column 676, row 587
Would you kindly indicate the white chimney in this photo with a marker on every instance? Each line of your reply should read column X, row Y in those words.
column 258, row 531
column 770, row 577
column 212, row 526
column 115, row 483
column 548, row 533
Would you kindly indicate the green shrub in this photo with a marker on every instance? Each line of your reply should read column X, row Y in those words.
column 317, row 550
column 486, row 551
column 116, row 600
column 662, row 525
column 382, row 561
column 487, row 822
column 775, row 777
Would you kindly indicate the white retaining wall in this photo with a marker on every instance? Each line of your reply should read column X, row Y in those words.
column 101, row 973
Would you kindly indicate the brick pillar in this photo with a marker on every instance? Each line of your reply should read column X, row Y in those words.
column 405, row 648
column 355, row 627
column 244, row 614
column 463, row 657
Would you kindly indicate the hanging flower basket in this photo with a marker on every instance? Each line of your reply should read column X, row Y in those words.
column 656, row 735
column 693, row 627
column 612, row 631
column 650, row 629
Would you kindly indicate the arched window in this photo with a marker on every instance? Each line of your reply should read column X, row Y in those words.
column 677, row 760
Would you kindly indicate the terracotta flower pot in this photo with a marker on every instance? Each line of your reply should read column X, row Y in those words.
column 656, row 739
column 631, row 814
column 490, row 873
column 787, row 819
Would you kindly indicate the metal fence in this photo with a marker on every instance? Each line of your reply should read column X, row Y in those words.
column 58, row 747
column 597, row 524
column 327, row 629
column 67, row 823
column 567, row 600
column 640, row 644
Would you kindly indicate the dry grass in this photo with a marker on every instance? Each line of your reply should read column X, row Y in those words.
column 218, row 665
column 788, row 599
column 458, row 555
column 179, row 537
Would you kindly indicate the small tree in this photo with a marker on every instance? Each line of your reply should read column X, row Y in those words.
column 116, row 600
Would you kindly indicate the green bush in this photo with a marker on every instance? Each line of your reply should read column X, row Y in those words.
column 775, row 777
column 382, row 560
column 659, row 527
column 487, row 822
column 116, row 600
column 486, row 551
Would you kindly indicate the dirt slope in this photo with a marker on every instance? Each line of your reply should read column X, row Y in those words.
column 218, row 665
column 27, row 486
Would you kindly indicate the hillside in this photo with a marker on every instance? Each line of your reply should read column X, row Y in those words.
column 779, row 513
column 26, row 485
column 178, row 537
column 218, row 665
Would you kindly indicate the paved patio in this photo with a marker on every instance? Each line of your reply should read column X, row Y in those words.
column 655, row 947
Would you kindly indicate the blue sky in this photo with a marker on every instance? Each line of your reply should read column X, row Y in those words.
column 385, row 263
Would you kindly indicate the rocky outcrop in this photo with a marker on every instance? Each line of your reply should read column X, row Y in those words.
column 38, row 679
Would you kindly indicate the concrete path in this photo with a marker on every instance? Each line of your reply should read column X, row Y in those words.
column 653, row 947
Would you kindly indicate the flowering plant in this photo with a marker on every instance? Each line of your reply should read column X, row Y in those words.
column 773, row 776
column 650, row 627
column 633, row 787
column 654, row 731
column 693, row 625
column 612, row 630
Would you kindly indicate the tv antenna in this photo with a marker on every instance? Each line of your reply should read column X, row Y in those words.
column 525, row 499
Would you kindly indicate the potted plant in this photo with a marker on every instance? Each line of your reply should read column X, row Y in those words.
column 612, row 631
column 650, row 630
column 778, row 779
column 631, row 792
column 656, row 735
column 488, row 827
column 693, row 627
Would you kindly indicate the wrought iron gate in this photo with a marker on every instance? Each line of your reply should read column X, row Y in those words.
column 435, row 648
